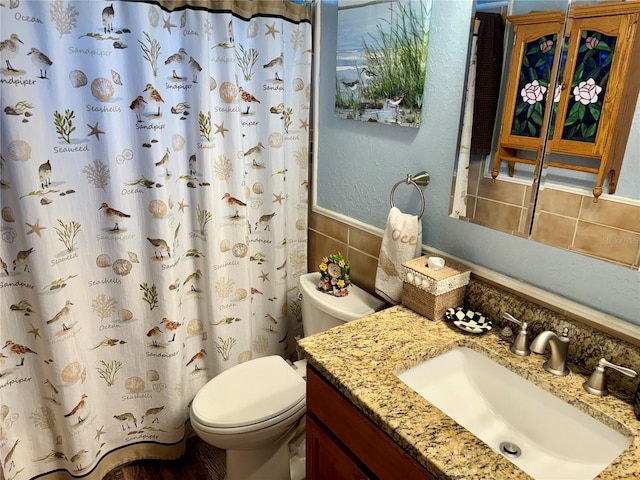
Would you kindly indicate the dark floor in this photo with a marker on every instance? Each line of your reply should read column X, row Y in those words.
column 200, row 462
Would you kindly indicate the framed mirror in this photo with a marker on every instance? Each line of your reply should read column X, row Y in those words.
column 570, row 183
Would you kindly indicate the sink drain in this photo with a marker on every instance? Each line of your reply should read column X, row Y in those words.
column 510, row 449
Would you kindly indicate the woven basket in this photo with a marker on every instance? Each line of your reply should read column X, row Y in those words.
column 431, row 306
column 431, row 292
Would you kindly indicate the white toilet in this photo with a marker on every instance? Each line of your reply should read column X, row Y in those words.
column 254, row 409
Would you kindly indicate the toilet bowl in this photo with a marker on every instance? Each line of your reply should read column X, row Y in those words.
column 254, row 409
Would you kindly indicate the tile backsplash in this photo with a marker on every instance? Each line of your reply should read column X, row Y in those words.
column 328, row 235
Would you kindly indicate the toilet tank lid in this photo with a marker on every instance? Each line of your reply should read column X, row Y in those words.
column 249, row 393
column 356, row 304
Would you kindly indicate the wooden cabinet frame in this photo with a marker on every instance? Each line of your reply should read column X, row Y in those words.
column 620, row 20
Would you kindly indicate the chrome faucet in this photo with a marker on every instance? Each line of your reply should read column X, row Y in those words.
column 557, row 364
column 597, row 383
column 520, row 345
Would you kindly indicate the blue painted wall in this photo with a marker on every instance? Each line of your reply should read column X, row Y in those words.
column 358, row 164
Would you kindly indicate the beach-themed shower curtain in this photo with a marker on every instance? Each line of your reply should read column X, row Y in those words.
column 154, row 215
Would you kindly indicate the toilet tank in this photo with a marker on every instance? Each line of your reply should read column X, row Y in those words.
column 321, row 311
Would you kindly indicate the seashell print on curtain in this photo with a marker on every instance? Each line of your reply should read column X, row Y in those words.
column 154, row 214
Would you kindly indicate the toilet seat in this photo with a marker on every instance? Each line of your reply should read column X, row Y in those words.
column 250, row 396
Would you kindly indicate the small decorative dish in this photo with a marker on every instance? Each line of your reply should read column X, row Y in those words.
column 468, row 320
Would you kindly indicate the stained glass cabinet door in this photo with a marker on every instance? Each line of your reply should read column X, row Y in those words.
column 599, row 90
column 532, row 66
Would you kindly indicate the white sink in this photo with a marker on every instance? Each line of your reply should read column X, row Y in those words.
column 555, row 440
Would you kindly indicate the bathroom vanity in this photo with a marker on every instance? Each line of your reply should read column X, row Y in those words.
column 343, row 443
column 364, row 422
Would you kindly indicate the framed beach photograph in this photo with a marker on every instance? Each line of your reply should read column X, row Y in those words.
column 381, row 60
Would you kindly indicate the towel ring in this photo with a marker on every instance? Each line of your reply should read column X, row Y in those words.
column 410, row 181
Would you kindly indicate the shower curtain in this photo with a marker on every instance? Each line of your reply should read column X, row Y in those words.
column 154, row 215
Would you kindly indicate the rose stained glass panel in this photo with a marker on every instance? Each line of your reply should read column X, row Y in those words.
column 589, row 86
column 535, row 75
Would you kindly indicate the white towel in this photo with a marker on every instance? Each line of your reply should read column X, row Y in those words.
column 402, row 241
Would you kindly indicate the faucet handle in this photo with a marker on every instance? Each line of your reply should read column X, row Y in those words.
column 511, row 318
column 520, row 345
column 597, row 383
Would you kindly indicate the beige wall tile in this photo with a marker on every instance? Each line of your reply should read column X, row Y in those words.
column 320, row 246
column 559, row 202
column 614, row 214
column 328, row 226
column 609, row 243
column 553, row 230
column 497, row 215
column 365, row 241
column 363, row 269
column 506, row 192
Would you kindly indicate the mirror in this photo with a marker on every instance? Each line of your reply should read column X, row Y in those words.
column 545, row 194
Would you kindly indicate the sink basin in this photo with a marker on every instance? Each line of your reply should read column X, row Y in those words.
column 536, row 431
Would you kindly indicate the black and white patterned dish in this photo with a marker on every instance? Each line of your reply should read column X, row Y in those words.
column 468, row 320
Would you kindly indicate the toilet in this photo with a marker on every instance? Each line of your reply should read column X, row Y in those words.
column 254, row 409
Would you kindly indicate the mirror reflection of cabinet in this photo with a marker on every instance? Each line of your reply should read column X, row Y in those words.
column 599, row 87
column 591, row 122
column 532, row 68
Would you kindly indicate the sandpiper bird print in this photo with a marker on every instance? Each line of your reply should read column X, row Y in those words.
column 154, row 334
column 62, row 315
column 352, row 85
column 154, row 96
column 265, row 220
column 41, row 61
column 192, row 164
column 163, row 161
column 9, row 456
column 18, row 350
column 3, row 265
column 177, row 58
column 126, row 419
column 271, row 321
column 195, row 69
column 44, row 174
column 233, row 203
column 80, row 406
column 254, row 153
column 247, row 98
column 160, row 246
column 395, row 101
column 108, row 15
column 152, row 413
column 198, row 356
column 193, row 279
column 138, row 106
column 21, row 259
column 78, row 458
column 9, row 49
column 275, row 66
column 170, row 326
column 368, row 74
column 113, row 214
column 230, row 31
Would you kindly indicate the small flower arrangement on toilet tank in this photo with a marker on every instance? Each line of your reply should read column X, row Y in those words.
column 334, row 275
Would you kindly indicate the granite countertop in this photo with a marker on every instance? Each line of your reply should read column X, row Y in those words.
column 361, row 359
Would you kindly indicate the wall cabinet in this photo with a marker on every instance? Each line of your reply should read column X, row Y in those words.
column 343, row 444
column 585, row 117
column 532, row 68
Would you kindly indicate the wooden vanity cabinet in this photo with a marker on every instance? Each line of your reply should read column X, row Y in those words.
column 343, row 444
